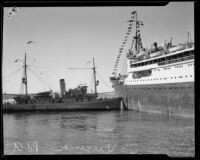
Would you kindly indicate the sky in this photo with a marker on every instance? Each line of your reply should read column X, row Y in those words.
column 67, row 37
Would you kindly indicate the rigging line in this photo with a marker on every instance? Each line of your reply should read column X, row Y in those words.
column 43, row 66
column 121, row 64
column 80, row 68
column 103, row 80
column 47, row 84
column 21, row 89
column 41, row 80
column 124, row 60
column 124, row 65
column 32, row 60
column 47, row 73
column 13, row 73
column 28, row 56
column 37, row 77
column 124, row 69
column 91, row 84
column 121, row 67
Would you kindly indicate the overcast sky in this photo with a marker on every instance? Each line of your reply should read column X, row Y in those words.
column 71, row 36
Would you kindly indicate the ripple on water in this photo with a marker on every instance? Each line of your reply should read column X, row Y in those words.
column 127, row 131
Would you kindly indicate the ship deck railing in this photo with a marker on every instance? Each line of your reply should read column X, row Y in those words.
column 176, row 60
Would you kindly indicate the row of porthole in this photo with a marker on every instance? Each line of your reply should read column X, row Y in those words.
column 157, row 79
column 165, row 88
column 178, row 66
column 175, row 67
column 170, row 68
column 180, row 77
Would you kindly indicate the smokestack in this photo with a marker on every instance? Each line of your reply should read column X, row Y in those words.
column 155, row 45
column 62, row 87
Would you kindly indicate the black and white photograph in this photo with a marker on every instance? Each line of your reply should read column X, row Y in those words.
column 90, row 80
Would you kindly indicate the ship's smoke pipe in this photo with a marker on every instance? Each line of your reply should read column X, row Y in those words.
column 62, row 87
column 155, row 45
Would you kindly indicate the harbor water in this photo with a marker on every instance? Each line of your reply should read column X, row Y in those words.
column 98, row 132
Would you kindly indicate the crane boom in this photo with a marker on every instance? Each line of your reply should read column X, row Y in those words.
column 79, row 68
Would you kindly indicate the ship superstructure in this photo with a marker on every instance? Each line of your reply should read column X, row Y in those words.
column 160, row 79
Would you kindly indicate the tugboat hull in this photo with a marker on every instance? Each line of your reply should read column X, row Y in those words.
column 105, row 104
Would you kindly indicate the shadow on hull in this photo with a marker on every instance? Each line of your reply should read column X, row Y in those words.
column 175, row 100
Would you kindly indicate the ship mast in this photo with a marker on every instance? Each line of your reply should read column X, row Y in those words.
column 95, row 83
column 94, row 72
column 25, row 81
column 136, row 37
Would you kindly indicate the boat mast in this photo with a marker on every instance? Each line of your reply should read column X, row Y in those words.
column 25, row 82
column 136, row 37
column 95, row 84
column 94, row 72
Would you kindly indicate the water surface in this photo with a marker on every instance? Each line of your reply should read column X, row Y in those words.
column 98, row 132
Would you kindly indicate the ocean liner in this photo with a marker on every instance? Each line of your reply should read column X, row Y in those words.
column 160, row 79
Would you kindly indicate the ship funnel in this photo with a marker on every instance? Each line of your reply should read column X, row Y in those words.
column 155, row 45
column 62, row 87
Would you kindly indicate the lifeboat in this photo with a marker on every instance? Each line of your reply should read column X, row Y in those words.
column 156, row 54
column 176, row 48
column 132, row 61
column 141, row 54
